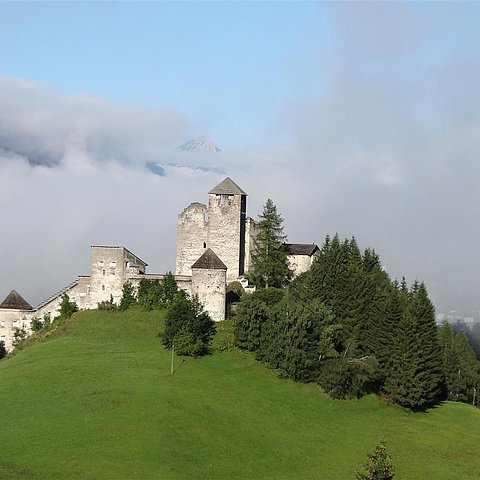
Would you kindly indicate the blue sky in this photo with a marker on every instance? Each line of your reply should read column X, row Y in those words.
column 361, row 118
column 229, row 67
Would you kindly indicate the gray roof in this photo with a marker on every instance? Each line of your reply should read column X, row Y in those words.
column 15, row 301
column 227, row 187
column 301, row 248
column 209, row 260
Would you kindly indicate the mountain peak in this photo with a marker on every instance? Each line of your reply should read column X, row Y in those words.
column 200, row 144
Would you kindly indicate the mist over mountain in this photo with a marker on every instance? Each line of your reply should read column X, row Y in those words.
column 200, row 144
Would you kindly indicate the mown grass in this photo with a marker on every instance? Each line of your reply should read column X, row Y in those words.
column 97, row 402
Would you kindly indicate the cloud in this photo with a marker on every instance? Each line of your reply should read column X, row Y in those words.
column 386, row 149
column 48, row 128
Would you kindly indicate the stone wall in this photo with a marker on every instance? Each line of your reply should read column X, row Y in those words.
column 250, row 232
column 300, row 263
column 209, row 286
column 191, row 237
column 11, row 319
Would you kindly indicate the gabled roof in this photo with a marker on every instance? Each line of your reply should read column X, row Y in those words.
column 301, row 248
column 227, row 187
column 209, row 260
column 15, row 301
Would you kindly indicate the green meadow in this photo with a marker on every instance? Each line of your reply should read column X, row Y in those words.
column 97, row 401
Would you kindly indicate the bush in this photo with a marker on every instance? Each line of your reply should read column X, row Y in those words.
column 378, row 467
column 67, row 308
column 340, row 379
column 128, row 296
column 107, row 304
column 19, row 334
column 36, row 324
column 3, row 350
column 189, row 325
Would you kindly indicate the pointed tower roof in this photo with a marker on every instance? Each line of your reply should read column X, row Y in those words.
column 15, row 301
column 227, row 187
column 209, row 260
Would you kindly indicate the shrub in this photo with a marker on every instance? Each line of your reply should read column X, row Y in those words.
column 107, row 304
column 128, row 296
column 67, row 308
column 188, row 324
column 36, row 324
column 378, row 467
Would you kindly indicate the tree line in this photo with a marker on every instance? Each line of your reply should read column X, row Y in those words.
column 348, row 326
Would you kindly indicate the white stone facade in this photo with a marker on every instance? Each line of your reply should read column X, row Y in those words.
column 214, row 247
column 222, row 227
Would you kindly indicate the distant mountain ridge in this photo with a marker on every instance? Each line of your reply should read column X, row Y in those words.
column 200, row 144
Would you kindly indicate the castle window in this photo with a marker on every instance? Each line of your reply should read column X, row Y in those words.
column 100, row 263
column 103, row 288
column 103, row 272
column 204, row 245
column 224, row 200
column 113, row 264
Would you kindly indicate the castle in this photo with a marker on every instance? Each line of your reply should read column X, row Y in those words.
column 214, row 246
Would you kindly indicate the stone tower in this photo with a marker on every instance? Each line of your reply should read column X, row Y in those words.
column 208, row 283
column 227, row 206
column 221, row 227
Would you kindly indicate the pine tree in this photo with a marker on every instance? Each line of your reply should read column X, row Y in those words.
column 378, row 467
column 269, row 266
column 415, row 378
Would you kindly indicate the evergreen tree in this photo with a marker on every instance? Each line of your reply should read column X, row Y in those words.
column 128, row 296
column 269, row 267
column 460, row 365
column 378, row 467
column 415, row 379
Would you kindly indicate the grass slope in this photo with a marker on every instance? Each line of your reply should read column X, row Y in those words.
column 97, row 402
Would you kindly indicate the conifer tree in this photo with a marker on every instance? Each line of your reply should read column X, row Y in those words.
column 415, row 379
column 269, row 266
column 378, row 467
column 460, row 365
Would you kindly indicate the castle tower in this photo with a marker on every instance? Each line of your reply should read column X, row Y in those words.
column 208, row 283
column 227, row 205
column 15, row 312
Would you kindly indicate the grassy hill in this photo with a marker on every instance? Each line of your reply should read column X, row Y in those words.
column 97, row 402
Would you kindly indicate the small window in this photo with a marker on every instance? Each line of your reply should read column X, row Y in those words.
column 224, row 200
column 103, row 288
column 103, row 272
column 100, row 263
column 113, row 264
column 204, row 245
